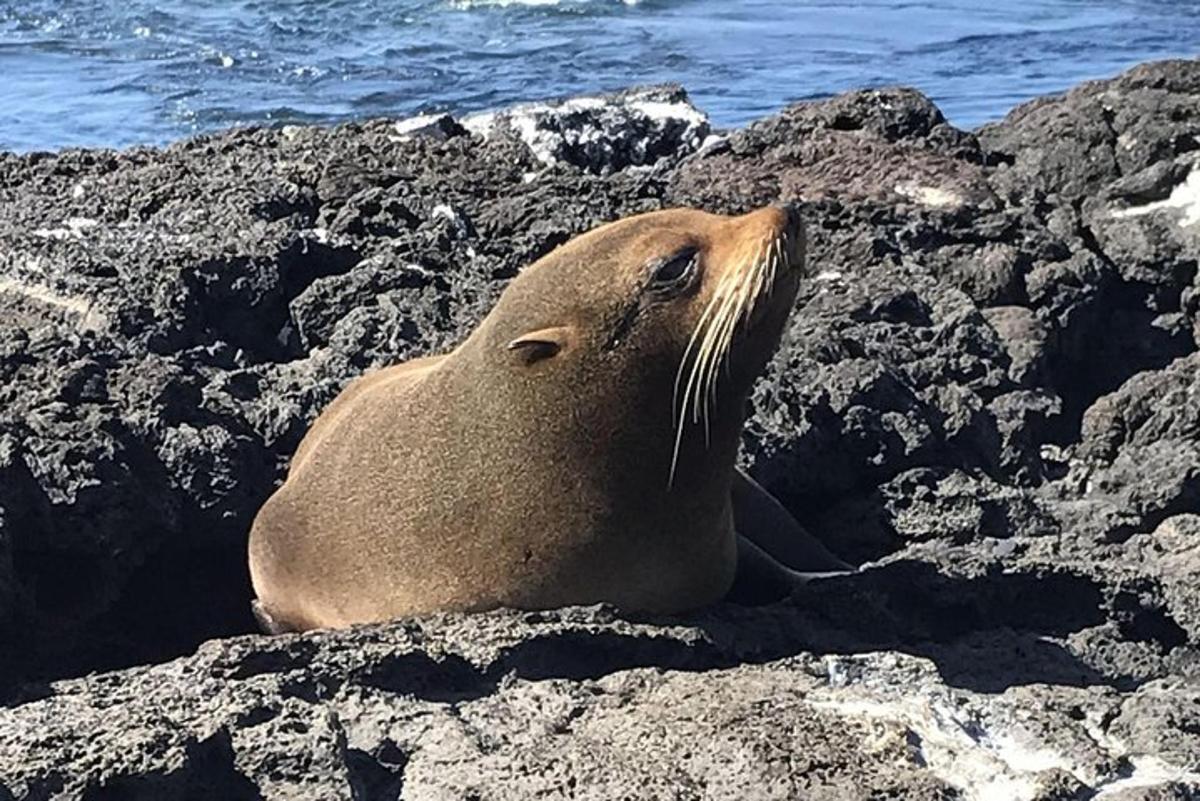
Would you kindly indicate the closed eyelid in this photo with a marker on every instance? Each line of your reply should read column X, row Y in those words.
column 683, row 255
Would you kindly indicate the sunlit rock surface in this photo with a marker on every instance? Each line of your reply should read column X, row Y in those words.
column 988, row 395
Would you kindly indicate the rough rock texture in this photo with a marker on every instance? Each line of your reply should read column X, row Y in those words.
column 581, row 704
column 990, row 395
column 602, row 134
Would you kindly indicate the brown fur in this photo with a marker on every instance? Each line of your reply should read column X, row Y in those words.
column 535, row 476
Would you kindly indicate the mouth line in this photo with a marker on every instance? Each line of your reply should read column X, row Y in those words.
column 788, row 244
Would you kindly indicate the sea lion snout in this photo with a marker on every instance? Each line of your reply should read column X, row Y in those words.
column 791, row 234
column 779, row 231
column 793, row 213
column 793, row 217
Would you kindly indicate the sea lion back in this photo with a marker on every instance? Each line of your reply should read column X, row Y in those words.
column 292, row 548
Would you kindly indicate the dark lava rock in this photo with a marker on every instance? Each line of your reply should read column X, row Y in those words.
column 601, row 134
column 988, row 393
column 574, row 703
column 1079, row 144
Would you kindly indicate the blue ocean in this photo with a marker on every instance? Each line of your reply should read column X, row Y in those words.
column 112, row 73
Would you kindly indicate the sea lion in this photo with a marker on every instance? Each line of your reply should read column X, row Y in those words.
column 578, row 447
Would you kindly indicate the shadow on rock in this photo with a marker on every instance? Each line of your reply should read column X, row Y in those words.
column 985, row 633
column 202, row 768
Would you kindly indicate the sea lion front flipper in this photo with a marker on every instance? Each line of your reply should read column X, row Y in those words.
column 760, row 518
column 760, row 579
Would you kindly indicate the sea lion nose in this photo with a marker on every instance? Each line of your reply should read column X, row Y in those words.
column 791, row 231
column 792, row 212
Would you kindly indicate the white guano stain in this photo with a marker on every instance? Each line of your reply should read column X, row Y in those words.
column 89, row 319
column 956, row 749
column 1147, row 771
column 663, row 111
column 1184, row 199
column 1144, row 770
column 446, row 212
column 72, row 228
column 529, row 121
column 977, row 745
column 932, row 196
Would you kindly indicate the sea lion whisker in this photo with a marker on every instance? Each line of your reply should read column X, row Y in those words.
column 775, row 262
column 761, row 257
column 710, row 352
column 733, row 310
column 679, row 405
column 704, row 354
column 696, row 332
column 721, row 344
column 688, row 394
column 737, row 313
column 717, row 347
column 710, row 345
column 679, row 416
column 754, row 284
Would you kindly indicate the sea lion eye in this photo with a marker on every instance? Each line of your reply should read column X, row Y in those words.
column 674, row 273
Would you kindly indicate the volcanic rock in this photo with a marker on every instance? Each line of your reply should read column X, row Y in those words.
column 987, row 396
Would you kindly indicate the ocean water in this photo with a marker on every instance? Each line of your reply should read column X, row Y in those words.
column 118, row 73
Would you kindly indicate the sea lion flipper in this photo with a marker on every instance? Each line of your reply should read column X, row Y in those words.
column 760, row 579
column 760, row 518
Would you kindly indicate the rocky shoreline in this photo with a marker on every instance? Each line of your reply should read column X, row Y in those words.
column 989, row 396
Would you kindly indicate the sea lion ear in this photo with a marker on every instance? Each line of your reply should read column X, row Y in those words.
column 541, row 344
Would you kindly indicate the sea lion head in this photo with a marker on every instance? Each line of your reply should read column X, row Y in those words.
column 667, row 316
